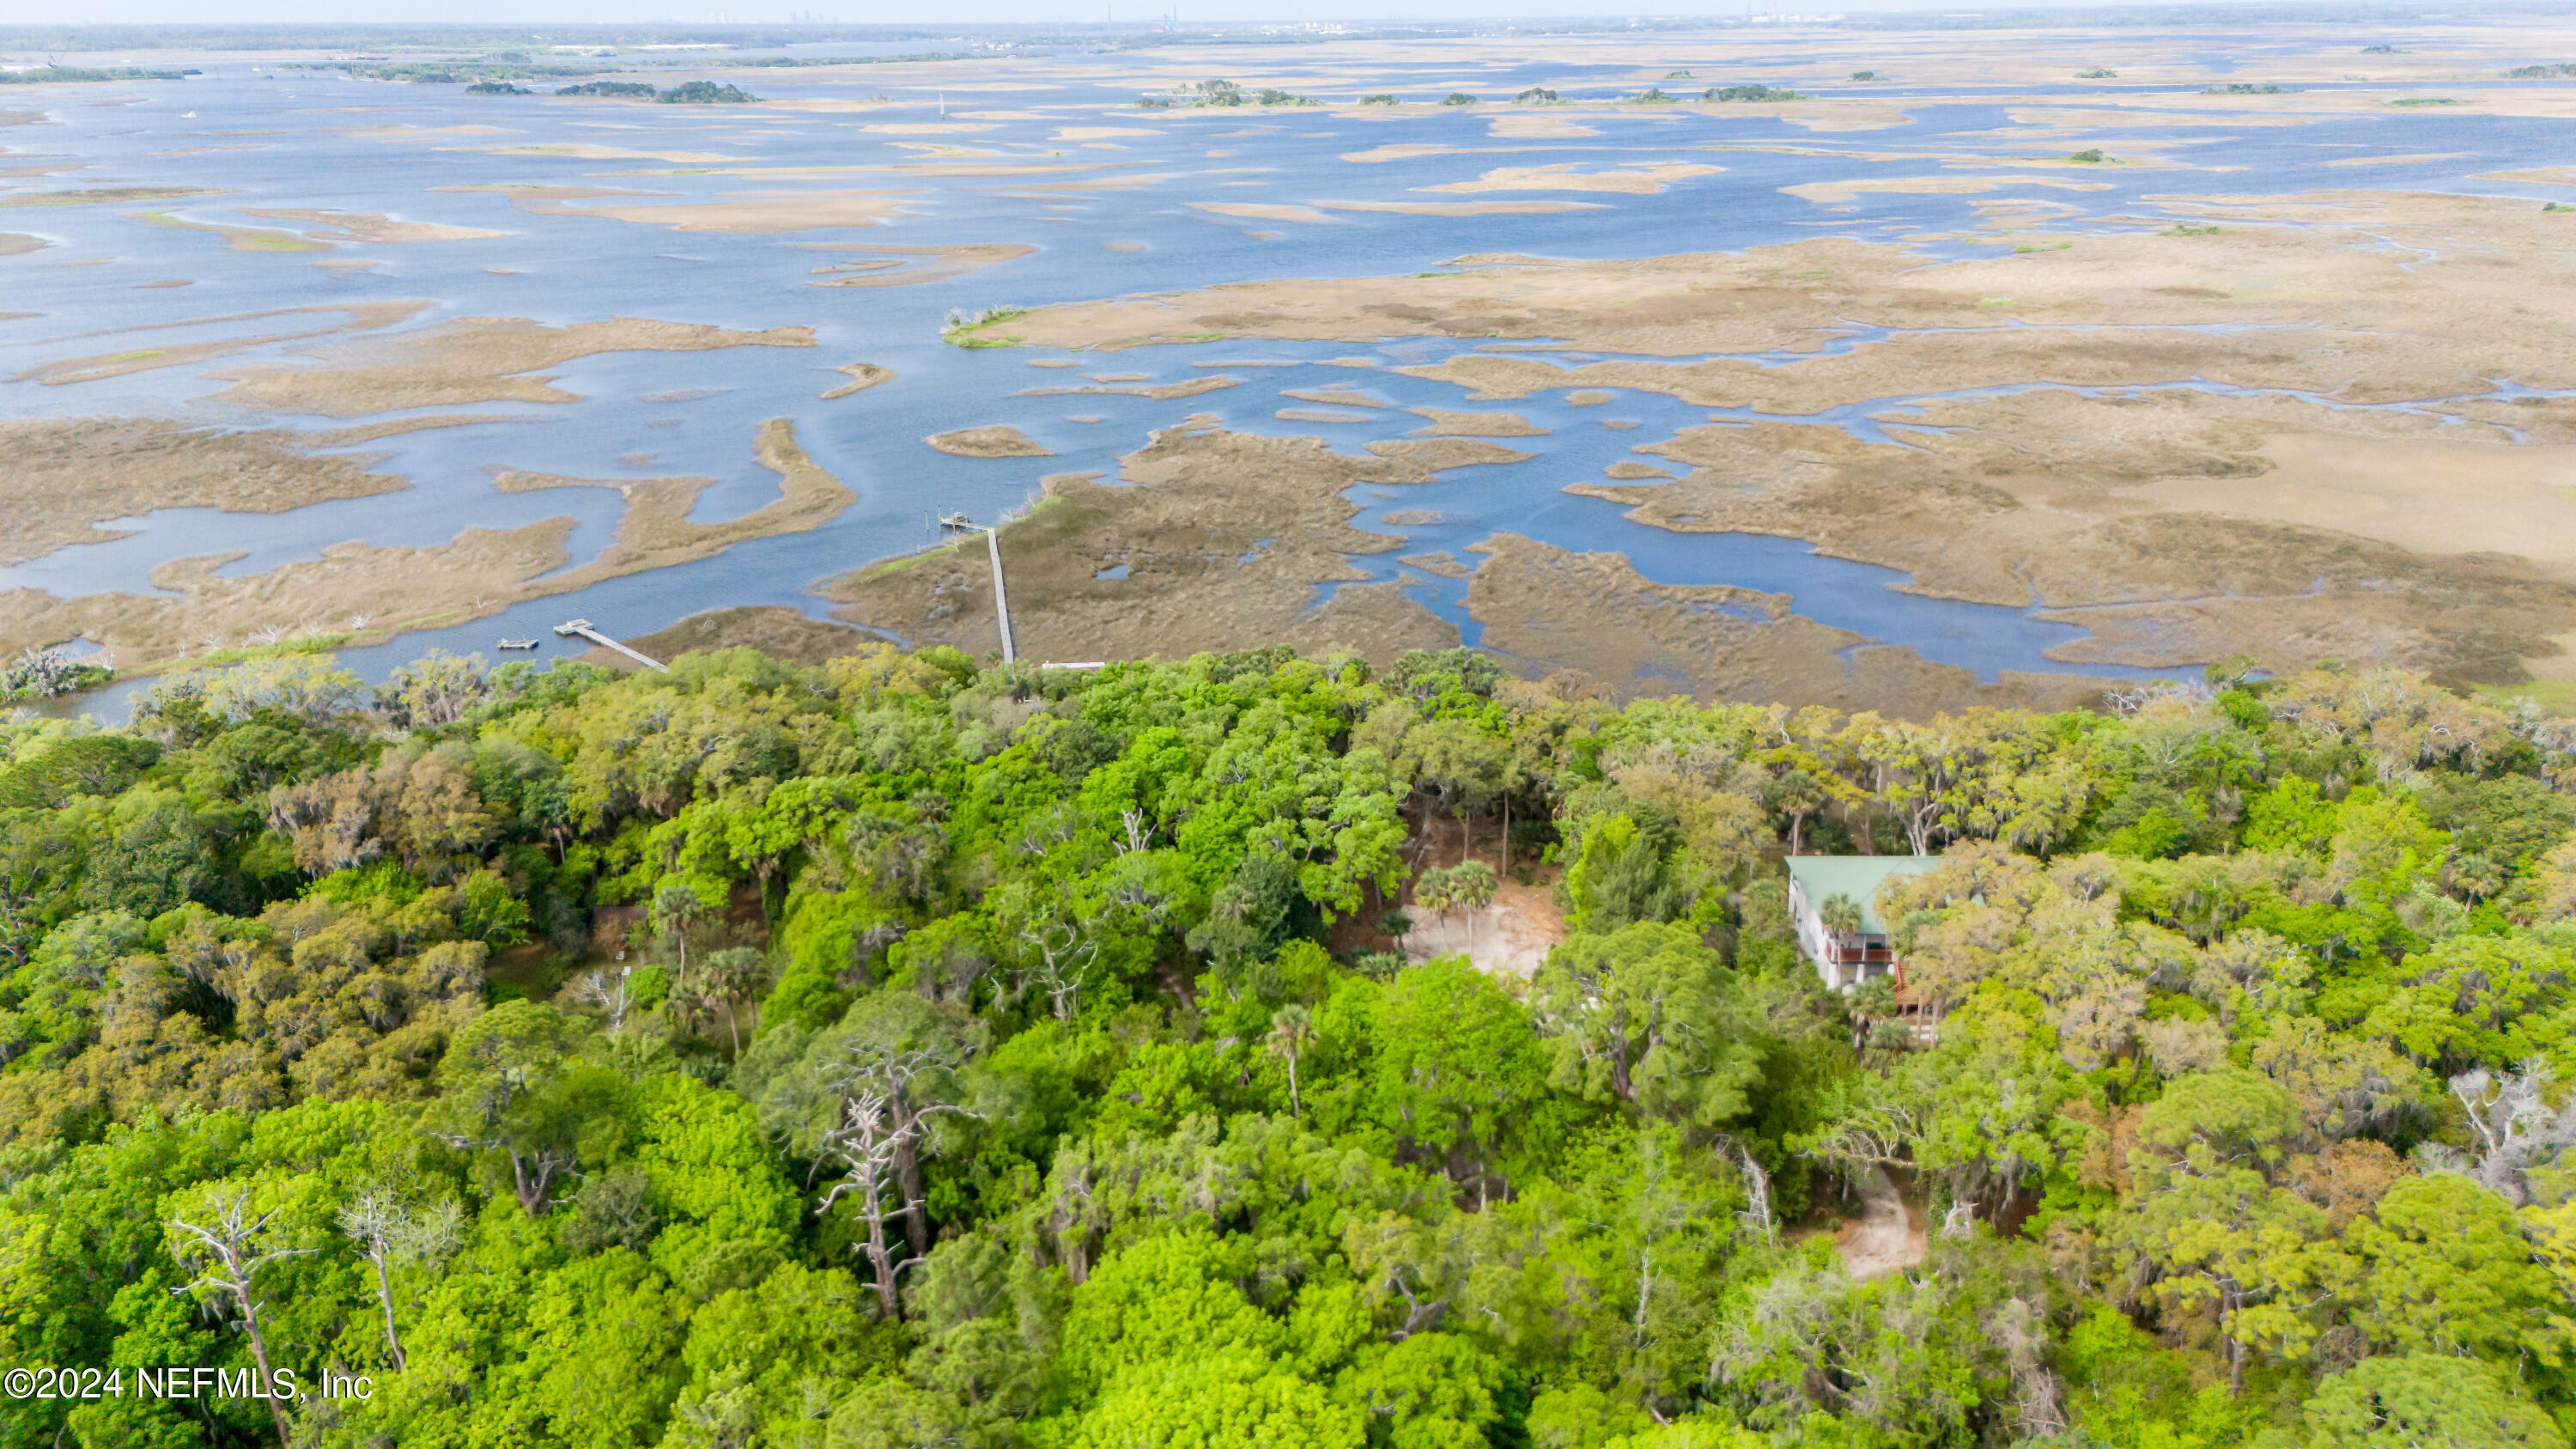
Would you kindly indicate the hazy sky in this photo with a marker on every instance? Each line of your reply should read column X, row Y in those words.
column 854, row 11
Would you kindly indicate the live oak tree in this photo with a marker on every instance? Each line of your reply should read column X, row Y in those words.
column 1650, row 1015
column 1005, row 1062
column 517, row 1093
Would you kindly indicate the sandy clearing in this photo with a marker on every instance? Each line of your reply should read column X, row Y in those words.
column 1510, row 937
column 1883, row 1239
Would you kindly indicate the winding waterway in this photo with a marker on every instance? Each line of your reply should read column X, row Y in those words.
column 1112, row 199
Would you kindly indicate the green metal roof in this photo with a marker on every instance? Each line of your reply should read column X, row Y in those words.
column 1821, row 877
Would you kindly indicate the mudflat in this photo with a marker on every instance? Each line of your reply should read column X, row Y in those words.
column 2176, row 437
column 475, row 359
column 2177, row 526
column 2335, row 279
column 68, row 474
column 374, row 227
column 2094, row 350
column 373, row 592
column 1549, row 610
column 999, row 441
column 772, row 629
column 1224, row 539
column 862, row 375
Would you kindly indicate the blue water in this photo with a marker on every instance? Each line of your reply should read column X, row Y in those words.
column 303, row 146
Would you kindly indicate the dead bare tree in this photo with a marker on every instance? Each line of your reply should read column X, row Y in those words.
column 875, row 1136
column 1062, row 968
column 226, row 1257
column 2020, row 1333
column 605, row 988
column 2515, row 1124
column 1757, row 1187
column 374, row 1221
column 390, row 1233
column 1960, row 1221
column 1419, row 1317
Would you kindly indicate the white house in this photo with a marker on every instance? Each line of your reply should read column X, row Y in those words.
column 1845, row 961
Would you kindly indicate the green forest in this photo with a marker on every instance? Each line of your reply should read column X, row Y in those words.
column 913, row 1051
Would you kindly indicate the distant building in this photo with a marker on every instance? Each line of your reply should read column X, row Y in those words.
column 1846, row 959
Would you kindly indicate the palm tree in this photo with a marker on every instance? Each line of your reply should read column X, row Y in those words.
column 1472, row 885
column 1291, row 1028
column 1432, row 891
column 733, row 975
column 1841, row 915
column 675, row 906
column 1797, row 795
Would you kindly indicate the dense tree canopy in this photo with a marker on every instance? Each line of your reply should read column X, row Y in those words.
column 903, row 1052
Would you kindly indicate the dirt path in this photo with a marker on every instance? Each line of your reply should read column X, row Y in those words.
column 1885, row 1238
